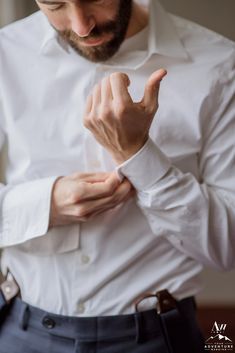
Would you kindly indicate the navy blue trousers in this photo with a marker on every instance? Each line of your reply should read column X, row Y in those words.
column 26, row 329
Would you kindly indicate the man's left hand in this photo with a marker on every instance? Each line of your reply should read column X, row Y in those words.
column 117, row 123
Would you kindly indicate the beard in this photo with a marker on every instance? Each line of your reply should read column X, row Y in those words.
column 116, row 28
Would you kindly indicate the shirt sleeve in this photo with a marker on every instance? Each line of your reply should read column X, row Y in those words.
column 196, row 216
column 25, row 211
column 24, row 208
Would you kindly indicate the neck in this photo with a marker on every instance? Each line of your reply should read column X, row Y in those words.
column 138, row 21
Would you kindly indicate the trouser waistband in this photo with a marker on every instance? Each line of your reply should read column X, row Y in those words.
column 89, row 329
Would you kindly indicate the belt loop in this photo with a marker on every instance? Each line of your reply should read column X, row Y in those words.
column 139, row 327
column 24, row 316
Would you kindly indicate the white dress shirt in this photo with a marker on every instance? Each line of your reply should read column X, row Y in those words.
column 184, row 214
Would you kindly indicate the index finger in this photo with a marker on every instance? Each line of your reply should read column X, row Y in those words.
column 119, row 85
column 90, row 177
column 97, row 190
column 88, row 106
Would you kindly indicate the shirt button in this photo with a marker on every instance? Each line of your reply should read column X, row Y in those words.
column 85, row 259
column 80, row 308
column 48, row 322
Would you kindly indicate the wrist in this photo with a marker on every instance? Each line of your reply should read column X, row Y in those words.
column 122, row 156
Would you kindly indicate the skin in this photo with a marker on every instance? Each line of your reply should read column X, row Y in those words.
column 118, row 123
column 83, row 22
column 81, row 197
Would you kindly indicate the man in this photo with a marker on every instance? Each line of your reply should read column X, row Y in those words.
column 107, row 203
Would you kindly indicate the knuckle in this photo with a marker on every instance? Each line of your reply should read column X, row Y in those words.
column 128, row 184
column 118, row 195
column 77, row 193
column 119, row 75
column 114, row 198
column 109, row 192
column 126, row 79
column 151, row 109
column 105, row 80
column 105, row 112
column 74, row 176
column 99, row 120
column 112, row 187
column 126, row 191
column 121, row 109
column 115, row 75
column 72, row 197
column 81, row 211
column 96, row 88
column 88, row 121
column 99, row 117
column 78, row 177
column 84, row 219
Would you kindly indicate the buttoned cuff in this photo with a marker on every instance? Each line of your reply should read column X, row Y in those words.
column 26, row 211
column 146, row 167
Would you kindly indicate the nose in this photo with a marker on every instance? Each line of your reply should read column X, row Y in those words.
column 81, row 21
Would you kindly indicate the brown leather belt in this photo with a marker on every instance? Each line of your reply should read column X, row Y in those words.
column 164, row 301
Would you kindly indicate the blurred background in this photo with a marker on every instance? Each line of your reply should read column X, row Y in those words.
column 218, row 15
column 217, row 302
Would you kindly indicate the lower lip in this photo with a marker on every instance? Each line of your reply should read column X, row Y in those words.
column 94, row 42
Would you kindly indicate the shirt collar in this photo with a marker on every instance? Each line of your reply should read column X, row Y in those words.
column 51, row 39
column 162, row 39
column 49, row 34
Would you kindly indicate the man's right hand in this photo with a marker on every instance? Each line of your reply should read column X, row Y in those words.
column 79, row 197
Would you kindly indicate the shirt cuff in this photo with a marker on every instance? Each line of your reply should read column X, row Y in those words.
column 146, row 167
column 26, row 211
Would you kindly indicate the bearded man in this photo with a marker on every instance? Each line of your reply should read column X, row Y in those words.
column 112, row 204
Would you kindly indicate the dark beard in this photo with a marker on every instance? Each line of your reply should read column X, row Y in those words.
column 117, row 28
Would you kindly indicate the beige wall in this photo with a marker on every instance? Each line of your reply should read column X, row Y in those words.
column 219, row 289
column 11, row 10
column 217, row 15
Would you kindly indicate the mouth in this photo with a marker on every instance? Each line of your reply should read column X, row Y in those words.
column 93, row 42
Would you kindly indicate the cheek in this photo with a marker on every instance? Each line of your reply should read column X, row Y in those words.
column 60, row 22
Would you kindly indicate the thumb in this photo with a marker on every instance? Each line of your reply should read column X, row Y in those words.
column 151, row 91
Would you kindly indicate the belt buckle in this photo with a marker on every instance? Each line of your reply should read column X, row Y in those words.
column 164, row 301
